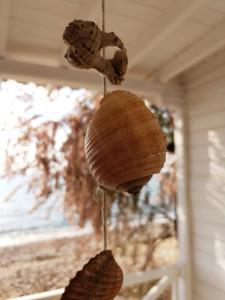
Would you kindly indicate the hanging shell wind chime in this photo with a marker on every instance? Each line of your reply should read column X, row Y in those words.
column 124, row 147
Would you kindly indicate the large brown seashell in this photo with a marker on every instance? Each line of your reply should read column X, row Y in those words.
column 124, row 144
column 100, row 279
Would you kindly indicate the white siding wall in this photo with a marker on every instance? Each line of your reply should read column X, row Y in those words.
column 205, row 95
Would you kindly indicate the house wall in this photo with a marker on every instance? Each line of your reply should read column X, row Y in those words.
column 205, row 137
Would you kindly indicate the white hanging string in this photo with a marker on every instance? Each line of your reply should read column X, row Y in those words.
column 104, row 208
column 103, row 49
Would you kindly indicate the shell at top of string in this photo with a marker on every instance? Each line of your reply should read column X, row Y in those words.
column 85, row 41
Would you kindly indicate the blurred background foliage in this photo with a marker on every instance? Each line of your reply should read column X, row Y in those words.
column 42, row 137
column 46, row 146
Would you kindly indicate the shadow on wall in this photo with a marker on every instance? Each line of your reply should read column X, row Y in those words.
column 208, row 206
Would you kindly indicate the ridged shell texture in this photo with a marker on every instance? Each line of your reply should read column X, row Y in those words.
column 100, row 279
column 124, row 144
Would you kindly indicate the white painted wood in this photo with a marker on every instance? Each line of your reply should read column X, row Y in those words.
column 209, row 153
column 193, row 28
column 175, row 15
column 89, row 79
column 207, row 66
column 152, row 61
column 4, row 25
column 216, row 5
column 217, row 72
column 33, row 34
column 60, row 8
column 196, row 108
column 175, row 290
column 208, row 185
column 208, row 16
column 208, row 246
column 29, row 53
column 139, row 12
column 197, row 296
column 210, row 121
column 147, row 276
column 207, row 212
column 183, row 206
column 172, row 45
column 39, row 17
column 180, row 41
column 50, row 295
column 207, row 230
column 161, row 5
column 159, row 288
column 207, row 291
column 199, row 139
column 205, row 194
column 204, row 85
column 210, row 43
column 210, row 269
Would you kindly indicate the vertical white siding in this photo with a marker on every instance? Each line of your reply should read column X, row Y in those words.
column 183, row 208
column 205, row 95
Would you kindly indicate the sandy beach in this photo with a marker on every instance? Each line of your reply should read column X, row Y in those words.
column 41, row 261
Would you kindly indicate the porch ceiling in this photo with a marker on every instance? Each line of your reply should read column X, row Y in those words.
column 163, row 37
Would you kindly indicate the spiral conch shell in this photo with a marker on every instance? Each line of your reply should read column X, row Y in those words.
column 124, row 144
column 100, row 279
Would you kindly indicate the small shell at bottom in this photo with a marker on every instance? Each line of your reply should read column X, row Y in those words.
column 100, row 279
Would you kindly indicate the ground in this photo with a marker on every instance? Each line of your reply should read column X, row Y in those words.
column 41, row 266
